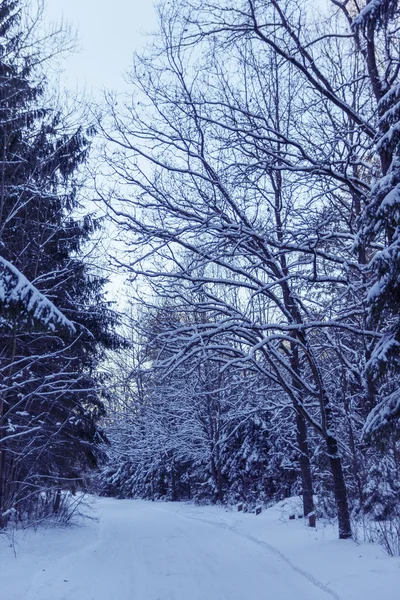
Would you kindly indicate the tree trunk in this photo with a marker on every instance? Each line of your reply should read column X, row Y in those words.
column 302, row 442
column 339, row 488
column 305, row 470
column 173, row 482
column 57, row 502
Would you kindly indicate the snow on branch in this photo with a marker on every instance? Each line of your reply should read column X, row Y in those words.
column 383, row 414
column 375, row 10
column 18, row 294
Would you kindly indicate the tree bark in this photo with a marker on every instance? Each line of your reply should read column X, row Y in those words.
column 339, row 488
column 305, row 470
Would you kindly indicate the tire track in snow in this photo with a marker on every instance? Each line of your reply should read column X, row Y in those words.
column 275, row 551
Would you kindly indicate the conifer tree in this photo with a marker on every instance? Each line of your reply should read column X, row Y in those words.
column 49, row 396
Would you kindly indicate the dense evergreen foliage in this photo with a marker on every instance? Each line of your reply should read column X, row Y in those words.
column 50, row 404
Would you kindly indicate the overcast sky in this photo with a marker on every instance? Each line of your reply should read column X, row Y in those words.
column 109, row 31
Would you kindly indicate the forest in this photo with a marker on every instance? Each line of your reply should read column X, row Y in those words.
column 246, row 190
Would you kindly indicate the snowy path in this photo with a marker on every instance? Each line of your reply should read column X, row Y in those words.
column 150, row 551
column 169, row 551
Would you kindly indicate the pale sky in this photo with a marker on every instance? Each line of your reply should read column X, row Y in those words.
column 109, row 31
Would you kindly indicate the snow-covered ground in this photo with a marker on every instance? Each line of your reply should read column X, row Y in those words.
column 168, row 551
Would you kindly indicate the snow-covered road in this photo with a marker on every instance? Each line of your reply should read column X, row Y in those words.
column 167, row 551
column 150, row 551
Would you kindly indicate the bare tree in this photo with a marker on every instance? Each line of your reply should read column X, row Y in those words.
column 248, row 147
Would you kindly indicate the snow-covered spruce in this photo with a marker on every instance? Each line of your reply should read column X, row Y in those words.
column 19, row 297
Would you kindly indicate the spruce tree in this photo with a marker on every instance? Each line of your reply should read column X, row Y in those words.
column 50, row 398
column 374, row 28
